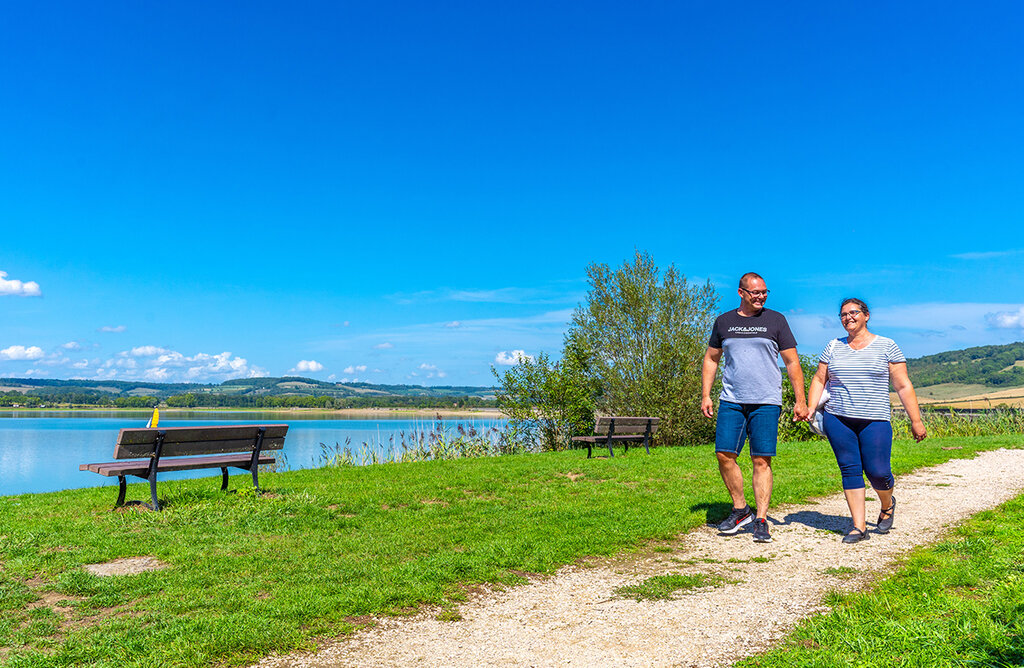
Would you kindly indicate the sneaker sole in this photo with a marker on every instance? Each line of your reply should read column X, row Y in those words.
column 762, row 540
column 742, row 523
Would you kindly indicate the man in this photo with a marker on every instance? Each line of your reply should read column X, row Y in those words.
column 752, row 337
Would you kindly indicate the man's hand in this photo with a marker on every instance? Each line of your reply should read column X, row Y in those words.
column 800, row 412
column 707, row 407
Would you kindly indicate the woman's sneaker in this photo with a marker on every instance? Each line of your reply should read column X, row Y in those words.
column 737, row 518
column 761, row 534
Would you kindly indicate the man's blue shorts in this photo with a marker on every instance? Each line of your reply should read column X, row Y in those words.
column 738, row 422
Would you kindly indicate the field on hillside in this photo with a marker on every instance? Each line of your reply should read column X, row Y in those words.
column 957, row 395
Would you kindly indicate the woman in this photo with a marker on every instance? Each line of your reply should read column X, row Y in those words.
column 857, row 370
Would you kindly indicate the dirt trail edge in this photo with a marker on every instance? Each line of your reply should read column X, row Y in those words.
column 573, row 618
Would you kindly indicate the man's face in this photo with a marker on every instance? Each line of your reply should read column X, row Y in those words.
column 754, row 294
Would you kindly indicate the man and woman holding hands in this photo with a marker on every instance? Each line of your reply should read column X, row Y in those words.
column 856, row 369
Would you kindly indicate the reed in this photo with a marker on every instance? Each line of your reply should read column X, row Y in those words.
column 436, row 441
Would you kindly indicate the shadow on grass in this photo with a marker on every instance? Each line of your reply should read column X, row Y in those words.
column 713, row 512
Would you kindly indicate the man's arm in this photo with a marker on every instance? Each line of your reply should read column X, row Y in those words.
column 707, row 379
column 796, row 379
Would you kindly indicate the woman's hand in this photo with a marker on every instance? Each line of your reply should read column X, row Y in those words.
column 917, row 428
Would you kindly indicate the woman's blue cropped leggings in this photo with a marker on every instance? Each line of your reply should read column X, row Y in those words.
column 861, row 447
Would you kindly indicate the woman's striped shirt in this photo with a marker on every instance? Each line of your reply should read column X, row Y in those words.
column 858, row 380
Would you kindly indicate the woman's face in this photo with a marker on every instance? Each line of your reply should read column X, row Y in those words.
column 852, row 318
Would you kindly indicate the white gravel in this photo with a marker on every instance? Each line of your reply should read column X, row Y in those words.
column 573, row 618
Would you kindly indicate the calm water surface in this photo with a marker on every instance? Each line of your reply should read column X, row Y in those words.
column 40, row 452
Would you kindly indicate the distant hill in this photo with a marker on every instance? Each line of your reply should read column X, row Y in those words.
column 243, row 392
column 989, row 366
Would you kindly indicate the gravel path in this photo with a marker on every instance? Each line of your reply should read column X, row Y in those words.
column 573, row 618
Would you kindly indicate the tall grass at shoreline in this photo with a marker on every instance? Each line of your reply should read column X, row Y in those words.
column 428, row 443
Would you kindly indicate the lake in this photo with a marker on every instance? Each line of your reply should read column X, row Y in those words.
column 41, row 451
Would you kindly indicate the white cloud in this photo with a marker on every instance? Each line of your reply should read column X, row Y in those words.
column 557, row 293
column 21, row 352
column 432, row 371
column 986, row 255
column 163, row 365
column 453, row 323
column 1006, row 319
column 71, row 345
column 384, row 346
column 18, row 288
column 331, row 377
column 147, row 351
column 109, row 328
column 355, row 368
column 309, row 366
column 512, row 357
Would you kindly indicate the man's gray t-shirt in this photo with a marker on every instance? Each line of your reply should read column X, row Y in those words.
column 751, row 345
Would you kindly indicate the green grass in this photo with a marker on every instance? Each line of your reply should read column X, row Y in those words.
column 958, row 603
column 664, row 587
column 250, row 575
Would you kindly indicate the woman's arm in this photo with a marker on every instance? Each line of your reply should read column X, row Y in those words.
column 817, row 387
column 905, row 390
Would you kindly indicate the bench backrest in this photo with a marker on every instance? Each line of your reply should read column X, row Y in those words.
column 624, row 426
column 181, row 441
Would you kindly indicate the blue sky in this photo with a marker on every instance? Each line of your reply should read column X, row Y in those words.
column 410, row 192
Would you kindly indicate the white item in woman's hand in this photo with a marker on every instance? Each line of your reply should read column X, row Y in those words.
column 817, row 420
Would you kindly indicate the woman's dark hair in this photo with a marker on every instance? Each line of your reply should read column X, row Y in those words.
column 860, row 304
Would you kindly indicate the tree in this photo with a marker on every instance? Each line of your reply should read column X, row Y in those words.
column 635, row 347
column 548, row 402
column 645, row 331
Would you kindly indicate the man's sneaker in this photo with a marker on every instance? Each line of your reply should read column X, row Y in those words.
column 761, row 534
column 739, row 517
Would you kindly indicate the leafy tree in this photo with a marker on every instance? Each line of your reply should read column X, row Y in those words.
column 635, row 347
column 646, row 332
column 548, row 402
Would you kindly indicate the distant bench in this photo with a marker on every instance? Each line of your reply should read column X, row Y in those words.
column 160, row 450
column 621, row 429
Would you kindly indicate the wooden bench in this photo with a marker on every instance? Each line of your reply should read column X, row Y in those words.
column 609, row 429
column 159, row 450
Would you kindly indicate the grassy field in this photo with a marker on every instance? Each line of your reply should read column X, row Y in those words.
column 957, row 603
column 249, row 575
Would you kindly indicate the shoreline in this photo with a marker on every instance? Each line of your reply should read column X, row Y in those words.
column 493, row 413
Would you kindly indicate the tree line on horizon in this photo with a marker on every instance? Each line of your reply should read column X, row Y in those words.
column 207, row 400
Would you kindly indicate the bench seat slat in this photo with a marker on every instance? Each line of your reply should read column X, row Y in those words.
column 616, row 437
column 184, row 441
column 184, row 449
column 172, row 464
column 217, row 433
column 625, row 425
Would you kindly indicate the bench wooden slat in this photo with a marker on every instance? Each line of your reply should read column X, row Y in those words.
column 183, row 441
column 625, row 425
column 137, row 468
